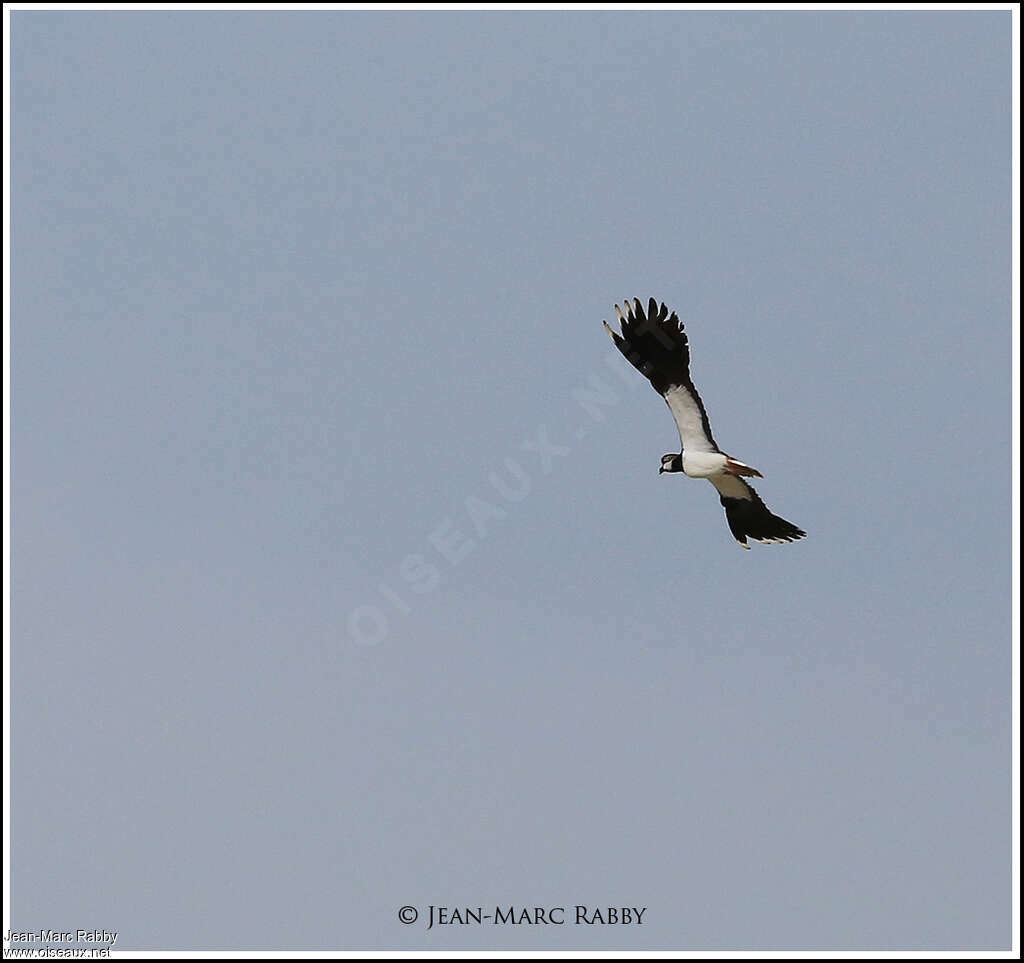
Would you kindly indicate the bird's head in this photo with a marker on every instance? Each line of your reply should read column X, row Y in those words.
column 671, row 463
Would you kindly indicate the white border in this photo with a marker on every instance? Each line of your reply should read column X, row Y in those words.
column 1014, row 952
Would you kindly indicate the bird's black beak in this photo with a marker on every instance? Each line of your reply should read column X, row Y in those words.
column 661, row 471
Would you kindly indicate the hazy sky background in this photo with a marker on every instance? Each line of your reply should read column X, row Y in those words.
column 289, row 288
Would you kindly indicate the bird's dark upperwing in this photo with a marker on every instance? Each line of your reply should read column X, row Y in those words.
column 748, row 516
column 656, row 345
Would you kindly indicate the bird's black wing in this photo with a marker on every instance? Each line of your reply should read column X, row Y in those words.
column 748, row 516
column 656, row 345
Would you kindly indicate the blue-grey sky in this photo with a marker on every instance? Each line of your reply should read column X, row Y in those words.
column 343, row 576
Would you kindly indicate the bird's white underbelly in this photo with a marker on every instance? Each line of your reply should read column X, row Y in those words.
column 703, row 464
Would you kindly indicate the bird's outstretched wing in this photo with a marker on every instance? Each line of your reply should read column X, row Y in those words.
column 748, row 516
column 656, row 345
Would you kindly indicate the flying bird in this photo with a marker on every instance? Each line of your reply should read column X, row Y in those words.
column 656, row 345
